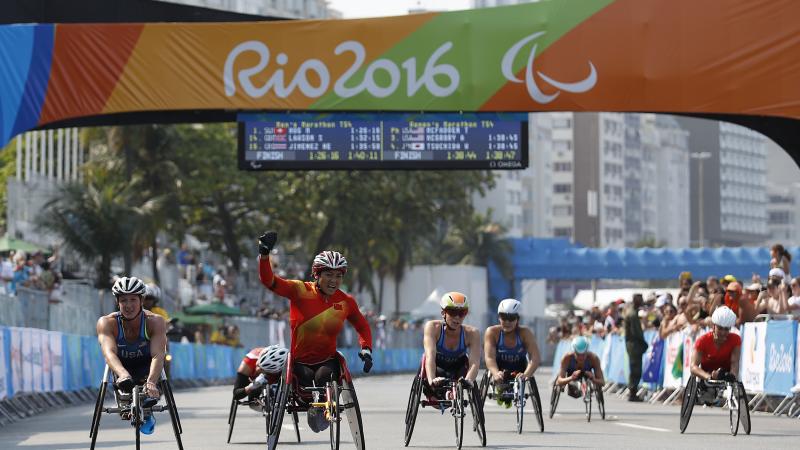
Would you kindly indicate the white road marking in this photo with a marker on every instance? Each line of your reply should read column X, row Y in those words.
column 641, row 427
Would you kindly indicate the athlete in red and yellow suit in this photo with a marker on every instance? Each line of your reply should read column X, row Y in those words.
column 316, row 320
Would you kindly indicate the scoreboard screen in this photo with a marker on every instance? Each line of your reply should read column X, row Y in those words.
column 324, row 141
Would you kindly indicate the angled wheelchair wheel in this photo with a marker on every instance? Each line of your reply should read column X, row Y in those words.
column 601, row 403
column 554, row 395
column 98, row 412
column 519, row 403
column 352, row 412
column 687, row 404
column 173, row 412
column 167, row 389
column 278, row 410
column 232, row 418
column 485, row 386
column 414, row 397
column 744, row 408
column 536, row 402
column 458, row 414
column 478, row 418
column 296, row 425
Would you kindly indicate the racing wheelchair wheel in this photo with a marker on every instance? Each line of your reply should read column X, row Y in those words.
column 478, row 418
column 278, row 410
column 352, row 411
column 333, row 412
column 169, row 399
column 536, row 402
column 601, row 402
column 137, row 416
column 98, row 410
column 587, row 398
column 688, row 401
column 232, row 418
column 744, row 408
column 519, row 402
column 457, row 408
column 484, row 387
column 554, row 399
column 414, row 399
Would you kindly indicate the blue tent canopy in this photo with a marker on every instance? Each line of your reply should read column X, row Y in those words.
column 559, row 259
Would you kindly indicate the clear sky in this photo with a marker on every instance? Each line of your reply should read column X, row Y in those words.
column 376, row 8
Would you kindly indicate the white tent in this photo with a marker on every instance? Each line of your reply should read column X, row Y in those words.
column 583, row 299
column 429, row 309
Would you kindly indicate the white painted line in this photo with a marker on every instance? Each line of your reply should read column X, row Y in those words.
column 291, row 427
column 641, row 427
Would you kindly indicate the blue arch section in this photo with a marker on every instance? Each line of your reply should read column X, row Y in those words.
column 16, row 51
column 38, row 76
column 559, row 259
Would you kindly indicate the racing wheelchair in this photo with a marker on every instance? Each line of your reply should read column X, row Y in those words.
column 264, row 403
column 336, row 398
column 587, row 389
column 515, row 391
column 455, row 396
column 132, row 407
column 712, row 392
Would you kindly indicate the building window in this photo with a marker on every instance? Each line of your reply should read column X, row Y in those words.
column 562, row 167
column 562, row 232
column 562, row 210
column 562, row 188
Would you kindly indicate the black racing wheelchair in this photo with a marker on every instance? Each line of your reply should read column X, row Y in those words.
column 131, row 407
column 729, row 394
column 587, row 389
column 263, row 403
column 518, row 392
column 453, row 395
column 337, row 398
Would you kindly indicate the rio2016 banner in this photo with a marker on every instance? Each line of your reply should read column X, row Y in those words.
column 568, row 55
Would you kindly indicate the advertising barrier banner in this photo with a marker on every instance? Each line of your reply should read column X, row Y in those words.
column 56, row 342
column 15, row 349
column 27, row 362
column 780, row 343
column 36, row 361
column 673, row 379
column 73, row 359
column 4, row 363
column 753, row 358
column 797, row 359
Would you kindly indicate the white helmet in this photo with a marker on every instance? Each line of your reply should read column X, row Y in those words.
column 152, row 291
column 509, row 306
column 272, row 359
column 328, row 260
column 128, row 285
column 723, row 317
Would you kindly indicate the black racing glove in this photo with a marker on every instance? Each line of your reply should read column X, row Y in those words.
column 366, row 355
column 266, row 242
column 125, row 385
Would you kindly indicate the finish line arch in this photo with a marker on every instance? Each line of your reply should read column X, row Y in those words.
column 734, row 60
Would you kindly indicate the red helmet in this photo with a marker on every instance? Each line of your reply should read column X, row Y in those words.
column 328, row 260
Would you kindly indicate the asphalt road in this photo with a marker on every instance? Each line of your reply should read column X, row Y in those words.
column 383, row 401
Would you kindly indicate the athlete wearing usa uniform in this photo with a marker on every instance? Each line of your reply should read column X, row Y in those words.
column 510, row 348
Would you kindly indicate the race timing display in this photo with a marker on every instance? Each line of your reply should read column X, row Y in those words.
column 383, row 141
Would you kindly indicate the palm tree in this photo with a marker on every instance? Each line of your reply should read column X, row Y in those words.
column 95, row 221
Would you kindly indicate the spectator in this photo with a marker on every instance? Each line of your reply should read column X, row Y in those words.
column 668, row 323
column 774, row 299
column 635, row 345
column 712, row 283
column 7, row 271
column 21, row 273
column 685, row 280
column 781, row 259
column 794, row 300
column 612, row 316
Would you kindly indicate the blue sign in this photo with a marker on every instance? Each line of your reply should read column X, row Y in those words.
column 780, row 349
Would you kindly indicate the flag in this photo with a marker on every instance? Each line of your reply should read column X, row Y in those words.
column 677, row 368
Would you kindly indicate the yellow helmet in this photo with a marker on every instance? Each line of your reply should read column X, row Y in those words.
column 454, row 300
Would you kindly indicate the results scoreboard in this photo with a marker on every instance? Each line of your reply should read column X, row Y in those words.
column 384, row 141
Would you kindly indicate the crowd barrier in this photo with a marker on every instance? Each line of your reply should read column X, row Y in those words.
column 769, row 363
column 37, row 361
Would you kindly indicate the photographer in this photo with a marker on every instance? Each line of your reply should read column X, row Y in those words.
column 774, row 300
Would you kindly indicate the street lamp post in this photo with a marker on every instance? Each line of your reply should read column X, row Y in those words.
column 700, row 157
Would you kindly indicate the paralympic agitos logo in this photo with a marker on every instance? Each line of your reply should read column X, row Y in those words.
column 313, row 78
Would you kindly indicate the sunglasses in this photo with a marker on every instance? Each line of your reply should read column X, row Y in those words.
column 508, row 317
column 456, row 312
